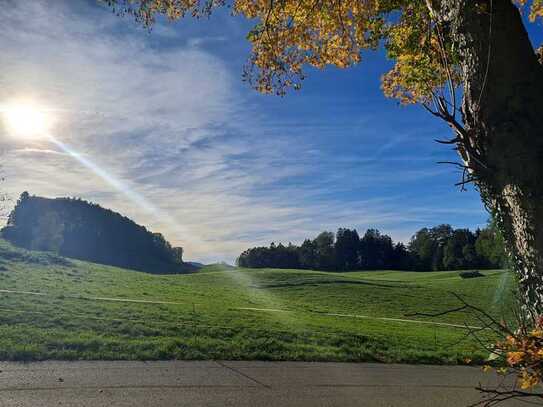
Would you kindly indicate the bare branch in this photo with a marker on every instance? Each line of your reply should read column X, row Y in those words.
column 438, row 314
column 459, row 165
column 498, row 396
column 452, row 141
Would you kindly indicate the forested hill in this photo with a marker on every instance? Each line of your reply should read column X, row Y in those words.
column 82, row 230
column 438, row 248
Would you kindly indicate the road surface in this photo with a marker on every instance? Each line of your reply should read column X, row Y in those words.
column 269, row 384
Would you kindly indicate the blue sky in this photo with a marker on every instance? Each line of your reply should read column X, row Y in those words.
column 199, row 155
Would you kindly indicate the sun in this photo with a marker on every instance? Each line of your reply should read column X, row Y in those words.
column 26, row 120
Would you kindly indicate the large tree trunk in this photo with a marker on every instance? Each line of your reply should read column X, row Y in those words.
column 503, row 117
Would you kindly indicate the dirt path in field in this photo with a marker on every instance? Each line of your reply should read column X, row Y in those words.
column 338, row 315
column 330, row 314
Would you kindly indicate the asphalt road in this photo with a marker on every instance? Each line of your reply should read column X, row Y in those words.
column 268, row 384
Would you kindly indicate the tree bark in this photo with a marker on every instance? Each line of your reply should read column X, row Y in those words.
column 502, row 112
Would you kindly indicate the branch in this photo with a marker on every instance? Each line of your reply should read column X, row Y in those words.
column 429, row 110
column 504, row 390
column 437, row 314
column 443, row 113
column 453, row 163
column 451, row 141
column 498, row 396
column 485, row 314
column 445, row 61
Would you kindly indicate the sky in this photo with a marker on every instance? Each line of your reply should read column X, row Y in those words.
column 160, row 127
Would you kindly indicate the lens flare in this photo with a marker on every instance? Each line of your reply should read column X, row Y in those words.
column 26, row 120
column 133, row 196
column 501, row 287
column 262, row 299
column 29, row 120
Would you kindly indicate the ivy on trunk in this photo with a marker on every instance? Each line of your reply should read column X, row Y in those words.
column 502, row 115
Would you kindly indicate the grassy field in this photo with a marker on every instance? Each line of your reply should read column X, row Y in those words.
column 85, row 311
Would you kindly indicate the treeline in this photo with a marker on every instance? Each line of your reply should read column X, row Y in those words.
column 75, row 228
column 430, row 249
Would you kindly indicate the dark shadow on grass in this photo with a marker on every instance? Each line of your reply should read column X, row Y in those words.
column 41, row 258
column 328, row 282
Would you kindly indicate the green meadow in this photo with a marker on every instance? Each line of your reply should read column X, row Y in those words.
column 56, row 308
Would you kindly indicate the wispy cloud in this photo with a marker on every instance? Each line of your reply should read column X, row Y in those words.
column 174, row 124
column 37, row 151
column 199, row 41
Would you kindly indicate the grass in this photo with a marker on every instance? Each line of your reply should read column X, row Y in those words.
column 223, row 313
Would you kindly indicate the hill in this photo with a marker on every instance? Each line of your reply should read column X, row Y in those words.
column 91, row 311
column 82, row 230
column 196, row 264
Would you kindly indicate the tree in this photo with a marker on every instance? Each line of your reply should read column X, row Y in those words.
column 489, row 246
column 347, row 245
column 440, row 235
column 177, row 254
column 459, row 251
column 275, row 256
column 15, row 215
column 324, row 244
column 439, row 46
column 308, row 255
column 428, row 247
column 376, row 250
column 4, row 197
column 47, row 234
column 422, row 247
column 401, row 258
column 438, row 248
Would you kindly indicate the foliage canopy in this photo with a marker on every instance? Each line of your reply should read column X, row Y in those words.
column 437, row 248
column 289, row 35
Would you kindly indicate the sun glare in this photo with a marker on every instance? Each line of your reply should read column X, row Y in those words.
column 26, row 120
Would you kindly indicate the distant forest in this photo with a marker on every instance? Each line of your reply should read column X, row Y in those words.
column 430, row 249
column 75, row 228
